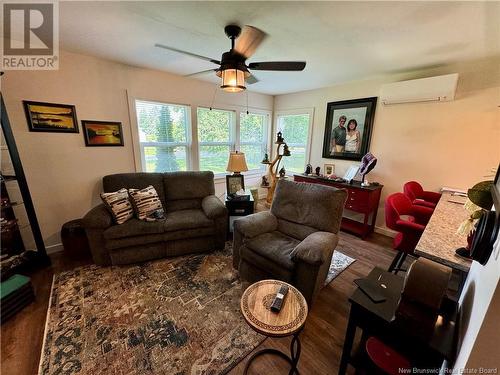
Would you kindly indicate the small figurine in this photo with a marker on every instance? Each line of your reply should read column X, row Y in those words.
column 317, row 171
column 280, row 138
column 282, row 172
column 266, row 159
column 286, row 150
column 264, row 181
column 309, row 169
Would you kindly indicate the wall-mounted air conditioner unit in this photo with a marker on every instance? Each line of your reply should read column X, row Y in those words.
column 432, row 89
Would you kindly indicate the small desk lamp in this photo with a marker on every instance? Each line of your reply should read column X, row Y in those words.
column 237, row 164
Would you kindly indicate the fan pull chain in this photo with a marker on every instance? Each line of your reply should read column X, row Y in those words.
column 247, row 101
column 213, row 98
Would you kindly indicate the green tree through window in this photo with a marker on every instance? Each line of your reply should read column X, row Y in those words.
column 163, row 136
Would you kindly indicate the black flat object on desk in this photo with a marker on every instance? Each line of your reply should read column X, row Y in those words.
column 379, row 320
column 372, row 289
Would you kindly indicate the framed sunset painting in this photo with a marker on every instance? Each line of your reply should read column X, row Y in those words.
column 50, row 117
column 102, row 133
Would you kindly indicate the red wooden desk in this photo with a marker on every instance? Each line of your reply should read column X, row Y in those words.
column 363, row 200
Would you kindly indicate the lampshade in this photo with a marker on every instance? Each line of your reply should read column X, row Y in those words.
column 237, row 162
column 233, row 80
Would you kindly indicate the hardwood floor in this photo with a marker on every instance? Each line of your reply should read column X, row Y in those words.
column 322, row 338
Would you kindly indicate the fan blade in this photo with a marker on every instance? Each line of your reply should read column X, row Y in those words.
column 188, row 53
column 278, row 65
column 251, row 80
column 202, row 72
column 249, row 40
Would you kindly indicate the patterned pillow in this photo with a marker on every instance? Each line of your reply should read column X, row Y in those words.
column 147, row 204
column 119, row 205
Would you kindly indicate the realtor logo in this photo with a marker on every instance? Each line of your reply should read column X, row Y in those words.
column 30, row 35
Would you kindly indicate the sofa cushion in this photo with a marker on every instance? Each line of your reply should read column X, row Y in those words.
column 186, row 219
column 188, row 185
column 134, row 227
column 274, row 246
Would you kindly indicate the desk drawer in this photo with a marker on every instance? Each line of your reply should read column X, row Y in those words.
column 357, row 200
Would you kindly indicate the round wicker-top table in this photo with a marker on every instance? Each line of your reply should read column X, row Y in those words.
column 256, row 308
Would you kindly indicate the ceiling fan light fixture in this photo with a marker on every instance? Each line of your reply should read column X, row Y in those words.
column 233, row 80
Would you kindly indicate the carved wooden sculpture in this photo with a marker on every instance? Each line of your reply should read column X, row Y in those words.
column 274, row 167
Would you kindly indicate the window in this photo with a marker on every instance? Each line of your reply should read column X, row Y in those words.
column 163, row 136
column 253, row 138
column 295, row 129
column 215, row 138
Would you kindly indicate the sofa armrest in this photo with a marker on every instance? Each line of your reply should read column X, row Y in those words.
column 316, row 248
column 255, row 224
column 98, row 218
column 213, row 207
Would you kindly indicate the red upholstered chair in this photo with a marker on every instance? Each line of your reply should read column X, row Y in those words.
column 407, row 219
column 417, row 195
column 385, row 359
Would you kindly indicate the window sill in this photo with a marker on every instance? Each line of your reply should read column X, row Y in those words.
column 220, row 177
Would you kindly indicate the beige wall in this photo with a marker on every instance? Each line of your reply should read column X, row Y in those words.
column 64, row 176
column 439, row 144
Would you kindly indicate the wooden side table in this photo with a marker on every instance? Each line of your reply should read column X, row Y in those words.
column 256, row 308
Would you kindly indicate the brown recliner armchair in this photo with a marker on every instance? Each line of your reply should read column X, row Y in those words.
column 295, row 240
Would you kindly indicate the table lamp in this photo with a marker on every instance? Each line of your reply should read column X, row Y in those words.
column 236, row 163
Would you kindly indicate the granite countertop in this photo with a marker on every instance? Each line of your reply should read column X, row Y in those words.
column 440, row 239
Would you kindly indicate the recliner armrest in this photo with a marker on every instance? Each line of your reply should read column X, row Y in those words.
column 255, row 224
column 98, row 218
column 213, row 207
column 316, row 248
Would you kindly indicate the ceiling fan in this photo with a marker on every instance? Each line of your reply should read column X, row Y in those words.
column 233, row 69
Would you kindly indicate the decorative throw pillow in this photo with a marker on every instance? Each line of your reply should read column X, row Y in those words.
column 147, row 204
column 119, row 205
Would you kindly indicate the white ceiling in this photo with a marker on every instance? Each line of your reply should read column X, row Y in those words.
column 341, row 41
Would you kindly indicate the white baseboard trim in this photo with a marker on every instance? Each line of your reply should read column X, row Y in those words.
column 51, row 249
column 385, row 231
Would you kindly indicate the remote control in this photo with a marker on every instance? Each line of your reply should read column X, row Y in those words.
column 278, row 300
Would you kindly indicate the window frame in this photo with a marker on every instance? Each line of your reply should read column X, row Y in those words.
column 265, row 141
column 233, row 134
column 307, row 144
column 138, row 146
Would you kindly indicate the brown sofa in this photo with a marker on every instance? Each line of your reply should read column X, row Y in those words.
column 196, row 220
column 294, row 241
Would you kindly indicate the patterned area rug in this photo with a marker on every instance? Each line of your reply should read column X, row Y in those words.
column 171, row 316
column 340, row 262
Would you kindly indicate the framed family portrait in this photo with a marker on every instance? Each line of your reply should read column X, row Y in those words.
column 348, row 128
column 102, row 133
column 50, row 117
column 234, row 183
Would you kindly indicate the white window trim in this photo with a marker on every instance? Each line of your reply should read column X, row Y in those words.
column 291, row 112
column 266, row 141
column 193, row 149
column 136, row 143
column 233, row 129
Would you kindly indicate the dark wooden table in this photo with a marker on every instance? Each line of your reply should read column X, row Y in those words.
column 379, row 319
column 360, row 199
